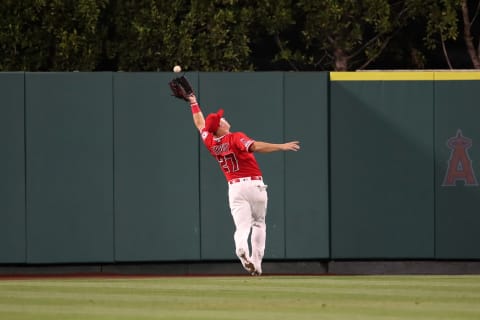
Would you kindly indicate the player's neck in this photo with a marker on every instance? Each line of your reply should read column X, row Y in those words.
column 220, row 135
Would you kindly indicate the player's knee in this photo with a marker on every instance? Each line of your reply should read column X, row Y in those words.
column 259, row 224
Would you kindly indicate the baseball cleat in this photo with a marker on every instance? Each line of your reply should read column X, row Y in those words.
column 256, row 273
column 249, row 267
column 258, row 270
column 247, row 264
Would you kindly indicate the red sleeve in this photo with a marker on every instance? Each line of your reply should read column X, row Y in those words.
column 206, row 136
column 243, row 142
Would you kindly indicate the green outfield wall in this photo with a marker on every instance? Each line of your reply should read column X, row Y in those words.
column 69, row 167
column 457, row 168
column 382, row 167
column 156, row 175
column 12, row 168
column 108, row 167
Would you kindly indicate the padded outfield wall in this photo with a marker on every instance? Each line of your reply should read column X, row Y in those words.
column 108, row 167
column 405, row 154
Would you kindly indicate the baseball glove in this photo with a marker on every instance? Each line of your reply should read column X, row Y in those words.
column 181, row 88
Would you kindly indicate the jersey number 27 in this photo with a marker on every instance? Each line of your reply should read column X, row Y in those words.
column 228, row 162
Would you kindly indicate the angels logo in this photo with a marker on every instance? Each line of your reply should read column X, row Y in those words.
column 221, row 148
column 459, row 165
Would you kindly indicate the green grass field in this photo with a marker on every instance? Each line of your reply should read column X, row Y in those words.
column 263, row 298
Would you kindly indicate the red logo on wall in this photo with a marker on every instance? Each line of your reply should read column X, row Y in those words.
column 459, row 165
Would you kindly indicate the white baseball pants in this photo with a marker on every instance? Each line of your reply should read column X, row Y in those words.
column 248, row 205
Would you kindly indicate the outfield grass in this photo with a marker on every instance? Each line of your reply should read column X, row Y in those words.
column 252, row 298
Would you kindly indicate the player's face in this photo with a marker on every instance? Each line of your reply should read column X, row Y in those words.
column 224, row 124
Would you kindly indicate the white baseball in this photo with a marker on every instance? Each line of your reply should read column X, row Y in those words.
column 177, row 69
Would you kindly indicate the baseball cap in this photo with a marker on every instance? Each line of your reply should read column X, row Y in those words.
column 213, row 121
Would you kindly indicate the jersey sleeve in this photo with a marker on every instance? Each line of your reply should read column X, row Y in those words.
column 206, row 136
column 243, row 142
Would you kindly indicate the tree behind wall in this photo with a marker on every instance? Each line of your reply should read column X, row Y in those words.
column 200, row 35
column 236, row 35
column 50, row 35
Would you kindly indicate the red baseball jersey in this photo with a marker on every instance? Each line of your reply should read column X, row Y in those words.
column 232, row 152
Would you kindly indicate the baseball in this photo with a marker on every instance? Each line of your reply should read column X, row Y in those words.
column 177, row 69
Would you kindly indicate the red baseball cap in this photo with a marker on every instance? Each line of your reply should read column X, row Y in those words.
column 213, row 121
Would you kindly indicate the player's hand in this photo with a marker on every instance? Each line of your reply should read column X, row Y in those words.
column 192, row 98
column 291, row 146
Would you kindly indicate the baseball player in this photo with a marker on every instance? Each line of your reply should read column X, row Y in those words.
column 247, row 192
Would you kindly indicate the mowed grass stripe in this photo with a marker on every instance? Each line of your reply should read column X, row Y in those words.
column 206, row 286
column 278, row 280
column 140, row 294
column 275, row 301
column 334, row 311
column 327, row 311
column 460, row 284
column 403, row 297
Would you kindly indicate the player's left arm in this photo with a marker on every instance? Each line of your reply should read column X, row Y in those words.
column 266, row 147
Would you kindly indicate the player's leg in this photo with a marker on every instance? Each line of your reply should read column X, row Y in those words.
column 258, row 239
column 259, row 227
column 242, row 218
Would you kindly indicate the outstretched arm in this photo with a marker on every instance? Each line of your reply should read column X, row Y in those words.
column 198, row 119
column 266, row 147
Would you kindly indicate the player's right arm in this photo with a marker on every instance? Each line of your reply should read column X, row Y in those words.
column 198, row 119
column 266, row 147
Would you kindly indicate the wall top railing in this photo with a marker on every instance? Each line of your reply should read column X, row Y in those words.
column 405, row 75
